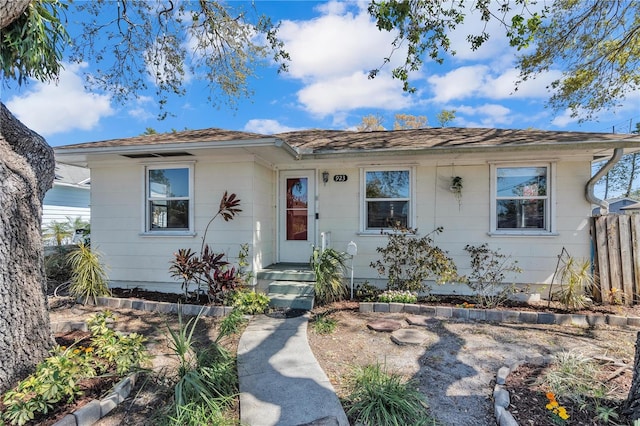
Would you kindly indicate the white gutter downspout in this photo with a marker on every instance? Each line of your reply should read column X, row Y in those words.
column 589, row 190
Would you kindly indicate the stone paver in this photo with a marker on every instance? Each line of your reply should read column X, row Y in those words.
column 413, row 336
column 384, row 325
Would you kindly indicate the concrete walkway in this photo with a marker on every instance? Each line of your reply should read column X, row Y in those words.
column 281, row 382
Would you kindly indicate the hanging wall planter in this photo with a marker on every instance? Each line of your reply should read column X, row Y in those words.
column 456, row 188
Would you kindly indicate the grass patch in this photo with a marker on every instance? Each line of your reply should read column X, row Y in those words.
column 379, row 397
column 324, row 324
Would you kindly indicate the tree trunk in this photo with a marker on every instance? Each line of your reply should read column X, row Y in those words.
column 26, row 172
column 631, row 406
column 11, row 10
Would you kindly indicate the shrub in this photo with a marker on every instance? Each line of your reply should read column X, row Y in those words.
column 323, row 324
column 56, row 266
column 207, row 377
column 88, row 276
column 329, row 266
column 397, row 296
column 408, row 261
column 366, row 292
column 575, row 280
column 381, row 398
column 209, row 270
column 488, row 271
column 250, row 302
column 56, row 379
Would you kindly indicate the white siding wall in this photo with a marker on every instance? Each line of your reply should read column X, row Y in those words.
column 464, row 223
column 134, row 259
column 141, row 260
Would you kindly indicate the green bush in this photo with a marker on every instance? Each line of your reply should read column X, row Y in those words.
column 56, row 378
column 323, row 324
column 381, row 398
column 207, row 377
column 408, row 261
column 250, row 302
column 575, row 281
column 88, row 276
column 365, row 292
column 329, row 267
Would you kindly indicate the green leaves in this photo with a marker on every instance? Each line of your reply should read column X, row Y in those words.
column 88, row 276
column 32, row 45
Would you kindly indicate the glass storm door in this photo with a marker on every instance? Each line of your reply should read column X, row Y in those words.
column 297, row 216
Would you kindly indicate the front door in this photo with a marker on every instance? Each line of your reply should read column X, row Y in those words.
column 297, row 215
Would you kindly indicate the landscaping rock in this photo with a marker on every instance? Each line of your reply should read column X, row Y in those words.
column 412, row 336
column 384, row 325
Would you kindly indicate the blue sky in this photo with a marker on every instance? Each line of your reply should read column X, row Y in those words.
column 332, row 46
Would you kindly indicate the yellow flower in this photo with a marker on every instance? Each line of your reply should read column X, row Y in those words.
column 76, row 351
column 89, row 349
column 552, row 405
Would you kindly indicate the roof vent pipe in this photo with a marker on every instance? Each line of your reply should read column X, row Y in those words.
column 604, row 205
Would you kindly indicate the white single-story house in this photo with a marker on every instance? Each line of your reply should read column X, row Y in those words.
column 69, row 197
column 526, row 192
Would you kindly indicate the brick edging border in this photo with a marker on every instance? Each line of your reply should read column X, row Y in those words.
column 164, row 307
column 501, row 397
column 506, row 316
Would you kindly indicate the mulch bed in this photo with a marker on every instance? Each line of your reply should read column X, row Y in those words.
column 92, row 388
column 529, row 400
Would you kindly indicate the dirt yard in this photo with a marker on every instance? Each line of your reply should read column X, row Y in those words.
column 455, row 370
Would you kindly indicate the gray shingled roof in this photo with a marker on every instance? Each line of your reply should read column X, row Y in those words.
column 328, row 141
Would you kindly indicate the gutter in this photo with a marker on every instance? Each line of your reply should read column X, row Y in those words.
column 589, row 189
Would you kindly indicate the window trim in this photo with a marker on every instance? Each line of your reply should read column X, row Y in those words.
column 411, row 220
column 146, row 226
column 550, row 222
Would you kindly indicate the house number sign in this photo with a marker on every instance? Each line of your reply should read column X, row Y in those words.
column 339, row 178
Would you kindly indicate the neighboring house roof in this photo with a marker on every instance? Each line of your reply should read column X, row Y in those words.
column 68, row 175
column 312, row 143
column 635, row 206
column 617, row 204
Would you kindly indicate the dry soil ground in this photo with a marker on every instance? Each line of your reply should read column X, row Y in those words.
column 455, row 370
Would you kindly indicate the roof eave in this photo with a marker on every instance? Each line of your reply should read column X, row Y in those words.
column 594, row 146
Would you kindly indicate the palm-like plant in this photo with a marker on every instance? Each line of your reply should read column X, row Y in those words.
column 57, row 231
column 329, row 267
column 88, row 276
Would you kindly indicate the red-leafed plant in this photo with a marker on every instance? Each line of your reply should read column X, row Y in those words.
column 208, row 269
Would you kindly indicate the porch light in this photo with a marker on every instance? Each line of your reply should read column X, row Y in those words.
column 325, row 177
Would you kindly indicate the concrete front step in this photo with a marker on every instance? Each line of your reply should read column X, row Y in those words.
column 286, row 272
column 291, row 301
column 291, row 287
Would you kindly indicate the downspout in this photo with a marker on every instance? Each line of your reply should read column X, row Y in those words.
column 589, row 190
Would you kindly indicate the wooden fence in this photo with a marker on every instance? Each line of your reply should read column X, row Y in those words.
column 616, row 242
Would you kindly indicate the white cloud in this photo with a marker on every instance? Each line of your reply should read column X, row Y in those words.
column 139, row 111
column 50, row 109
column 352, row 92
column 486, row 115
column 266, row 126
column 480, row 81
column 331, row 56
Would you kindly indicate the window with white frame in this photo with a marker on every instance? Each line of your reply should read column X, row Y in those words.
column 521, row 197
column 169, row 198
column 387, row 199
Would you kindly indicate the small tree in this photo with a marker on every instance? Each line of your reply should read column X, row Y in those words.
column 57, row 232
column 408, row 261
column 445, row 116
